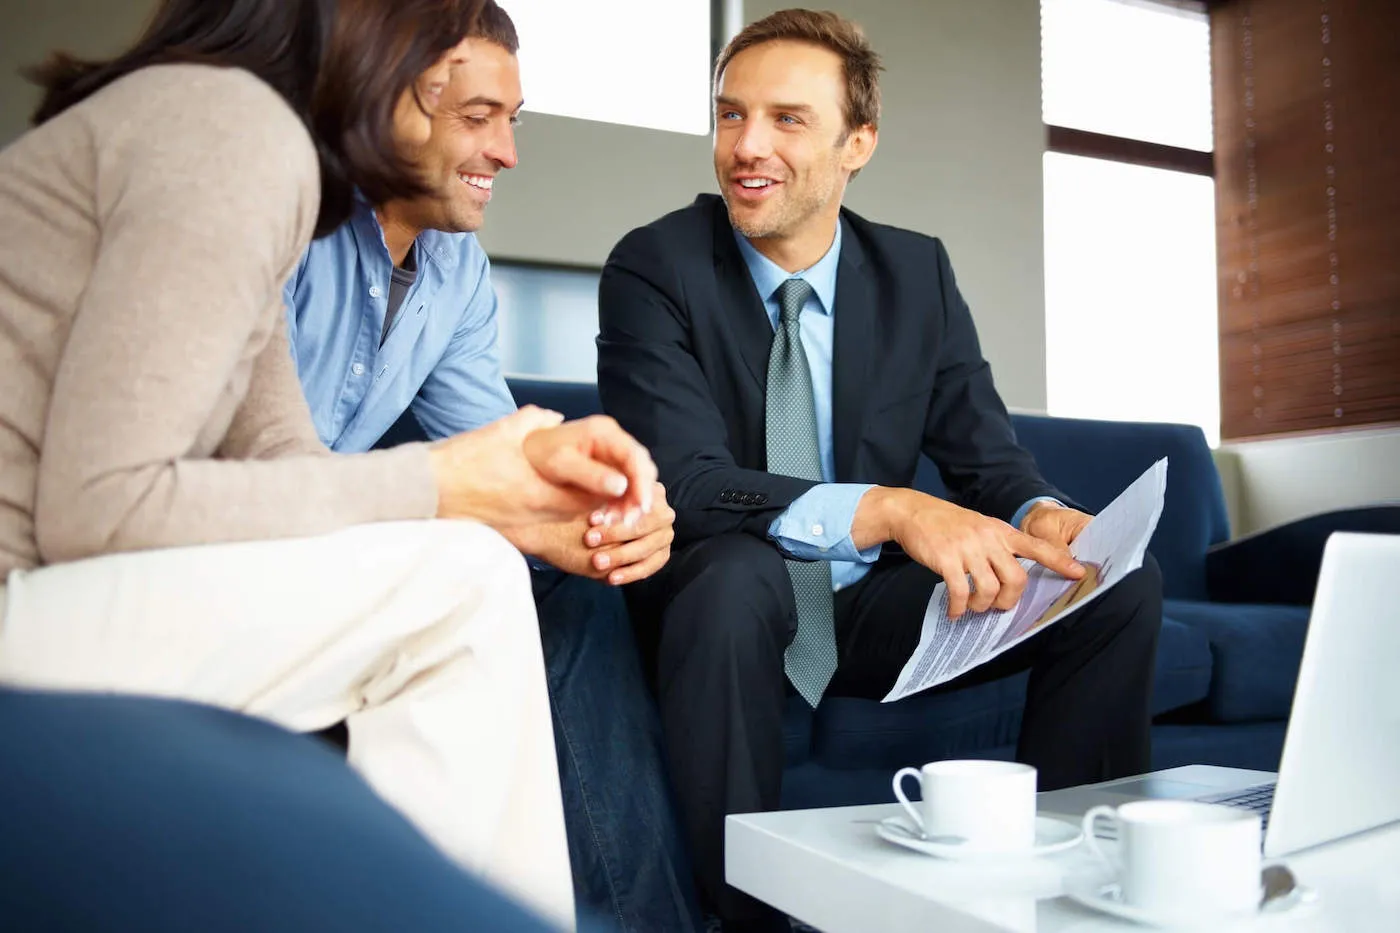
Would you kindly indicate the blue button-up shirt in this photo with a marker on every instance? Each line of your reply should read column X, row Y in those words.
column 441, row 356
column 817, row 525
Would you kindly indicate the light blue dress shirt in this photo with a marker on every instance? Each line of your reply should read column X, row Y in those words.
column 440, row 358
column 817, row 525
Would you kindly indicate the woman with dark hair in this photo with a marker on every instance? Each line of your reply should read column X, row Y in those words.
column 169, row 522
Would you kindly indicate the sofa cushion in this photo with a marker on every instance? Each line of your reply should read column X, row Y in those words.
column 1183, row 668
column 1282, row 564
column 1254, row 745
column 1256, row 651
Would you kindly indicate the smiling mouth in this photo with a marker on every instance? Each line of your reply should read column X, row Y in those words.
column 481, row 183
column 752, row 192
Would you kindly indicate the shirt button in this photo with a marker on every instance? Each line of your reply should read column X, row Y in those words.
column 374, row 291
column 817, row 531
column 358, row 369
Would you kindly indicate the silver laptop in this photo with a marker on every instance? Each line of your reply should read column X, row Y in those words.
column 1340, row 772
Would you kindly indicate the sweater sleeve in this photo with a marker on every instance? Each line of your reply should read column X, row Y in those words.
column 273, row 420
column 206, row 191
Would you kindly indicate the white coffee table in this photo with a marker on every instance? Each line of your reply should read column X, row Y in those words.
column 828, row 869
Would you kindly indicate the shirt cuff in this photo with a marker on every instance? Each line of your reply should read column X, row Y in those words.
column 1020, row 515
column 817, row 525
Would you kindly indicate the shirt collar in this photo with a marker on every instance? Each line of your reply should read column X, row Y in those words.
column 767, row 275
column 444, row 249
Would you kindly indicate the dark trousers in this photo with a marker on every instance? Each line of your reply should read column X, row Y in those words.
column 625, row 847
column 127, row 813
column 717, row 620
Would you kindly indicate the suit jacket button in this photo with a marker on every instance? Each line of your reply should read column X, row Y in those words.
column 762, row 498
column 750, row 498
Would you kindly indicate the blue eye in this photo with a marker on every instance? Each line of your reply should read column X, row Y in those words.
column 788, row 118
column 728, row 115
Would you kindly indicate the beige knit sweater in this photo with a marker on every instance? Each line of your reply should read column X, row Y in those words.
column 148, row 397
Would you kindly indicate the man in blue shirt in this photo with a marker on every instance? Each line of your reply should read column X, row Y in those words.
column 393, row 313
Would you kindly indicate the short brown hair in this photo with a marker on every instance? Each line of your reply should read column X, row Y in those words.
column 342, row 65
column 495, row 25
column 830, row 31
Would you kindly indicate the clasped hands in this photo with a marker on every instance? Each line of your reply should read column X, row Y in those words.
column 581, row 495
column 975, row 555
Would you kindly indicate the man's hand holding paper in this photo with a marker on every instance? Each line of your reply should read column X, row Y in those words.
column 1055, row 524
column 959, row 545
column 1104, row 549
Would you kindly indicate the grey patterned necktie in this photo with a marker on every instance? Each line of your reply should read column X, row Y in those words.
column 792, row 451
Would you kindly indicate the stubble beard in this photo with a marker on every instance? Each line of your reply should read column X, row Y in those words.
column 787, row 213
column 460, row 215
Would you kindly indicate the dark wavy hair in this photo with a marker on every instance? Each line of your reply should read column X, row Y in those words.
column 342, row 65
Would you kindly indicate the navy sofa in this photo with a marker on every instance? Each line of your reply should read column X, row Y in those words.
column 1225, row 671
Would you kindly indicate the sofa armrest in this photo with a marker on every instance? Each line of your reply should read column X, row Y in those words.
column 1281, row 565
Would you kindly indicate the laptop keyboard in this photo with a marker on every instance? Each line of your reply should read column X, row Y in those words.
column 1258, row 800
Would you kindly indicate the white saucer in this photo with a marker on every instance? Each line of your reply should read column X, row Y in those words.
column 1051, row 835
column 1108, row 898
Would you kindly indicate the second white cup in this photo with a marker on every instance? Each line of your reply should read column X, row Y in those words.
column 989, row 805
column 1180, row 858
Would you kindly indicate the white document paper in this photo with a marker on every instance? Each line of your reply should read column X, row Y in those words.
column 1110, row 547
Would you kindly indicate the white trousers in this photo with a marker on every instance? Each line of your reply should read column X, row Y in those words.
column 421, row 635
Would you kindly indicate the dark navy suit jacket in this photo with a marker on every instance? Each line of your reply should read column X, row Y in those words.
column 683, row 359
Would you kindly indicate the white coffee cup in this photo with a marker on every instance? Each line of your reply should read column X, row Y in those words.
column 1178, row 858
column 988, row 805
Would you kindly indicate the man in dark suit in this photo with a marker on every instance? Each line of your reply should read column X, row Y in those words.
column 787, row 361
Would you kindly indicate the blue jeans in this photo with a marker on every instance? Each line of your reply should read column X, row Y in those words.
column 628, row 859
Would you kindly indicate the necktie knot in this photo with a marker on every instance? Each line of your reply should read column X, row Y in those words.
column 792, row 295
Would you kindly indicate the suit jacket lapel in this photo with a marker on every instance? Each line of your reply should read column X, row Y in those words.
column 740, row 301
column 854, row 348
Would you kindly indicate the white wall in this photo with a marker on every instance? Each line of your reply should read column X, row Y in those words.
column 1287, row 478
column 959, row 157
column 959, row 153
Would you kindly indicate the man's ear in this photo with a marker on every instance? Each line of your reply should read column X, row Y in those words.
column 860, row 146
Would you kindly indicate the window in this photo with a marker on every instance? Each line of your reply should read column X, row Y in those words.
column 1130, row 293
column 1130, row 267
column 637, row 62
column 548, row 319
column 1134, row 69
